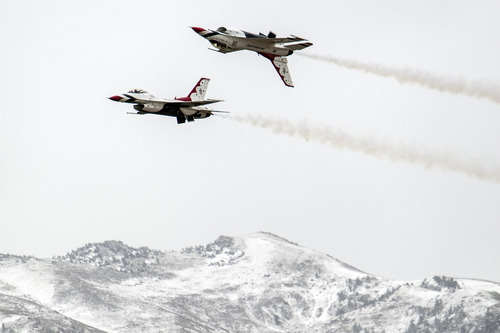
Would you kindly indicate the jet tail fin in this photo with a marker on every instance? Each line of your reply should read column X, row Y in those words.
column 281, row 66
column 199, row 90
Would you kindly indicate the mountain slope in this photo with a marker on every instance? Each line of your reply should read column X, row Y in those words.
column 255, row 283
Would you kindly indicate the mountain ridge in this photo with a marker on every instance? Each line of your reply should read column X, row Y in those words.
column 258, row 282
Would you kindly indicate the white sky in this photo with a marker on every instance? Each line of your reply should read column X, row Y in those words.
column 75, row 168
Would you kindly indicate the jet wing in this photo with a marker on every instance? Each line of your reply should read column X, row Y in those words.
column 268, row 41
column 265, row 41
column 190, row 104
column 179, row 103
column 285, row 40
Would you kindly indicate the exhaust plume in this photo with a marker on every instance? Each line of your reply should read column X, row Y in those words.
column 371, row 146
column 423, row 78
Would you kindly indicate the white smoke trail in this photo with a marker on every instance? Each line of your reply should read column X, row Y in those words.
column 459, row 86
column 371, row 146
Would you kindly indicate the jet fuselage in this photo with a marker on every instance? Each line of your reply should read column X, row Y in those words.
column 184, row 108
column 275, row 49
column 226, row 43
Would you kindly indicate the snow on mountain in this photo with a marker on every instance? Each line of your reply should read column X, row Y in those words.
column 254, row 283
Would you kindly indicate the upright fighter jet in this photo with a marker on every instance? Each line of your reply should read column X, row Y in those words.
column 183, row 108
column 275, row 49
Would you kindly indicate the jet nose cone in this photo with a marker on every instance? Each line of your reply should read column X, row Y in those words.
column 116, row 98
column 198, row 30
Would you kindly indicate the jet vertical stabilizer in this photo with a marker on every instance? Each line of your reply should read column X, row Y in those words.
column 281, row 65
column 199, row 91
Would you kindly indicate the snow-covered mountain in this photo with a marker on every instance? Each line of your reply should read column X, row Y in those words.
column 255, row 283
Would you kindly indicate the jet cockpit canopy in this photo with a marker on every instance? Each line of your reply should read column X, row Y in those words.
column 231, row 32
column 138, row 91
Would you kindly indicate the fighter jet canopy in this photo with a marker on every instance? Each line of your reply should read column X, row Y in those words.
column 231, row 32
column 138, row 91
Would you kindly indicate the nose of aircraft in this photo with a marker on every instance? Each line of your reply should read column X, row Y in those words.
column 116, row 98
column 198, row 30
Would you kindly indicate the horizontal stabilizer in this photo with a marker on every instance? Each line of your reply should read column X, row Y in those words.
column 297, row 46
column 222, row 51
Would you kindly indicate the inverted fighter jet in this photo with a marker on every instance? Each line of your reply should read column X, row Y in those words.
column 184, row 108
column 275, row 49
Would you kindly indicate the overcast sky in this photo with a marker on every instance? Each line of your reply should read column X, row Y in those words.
column 75, row 168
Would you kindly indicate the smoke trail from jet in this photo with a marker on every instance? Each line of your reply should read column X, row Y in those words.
column 458, row 86
column 371, row 146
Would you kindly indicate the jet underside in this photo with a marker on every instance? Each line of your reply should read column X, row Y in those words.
column 274, row 49
column 231, row 44
column 181, row 113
